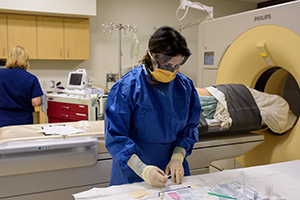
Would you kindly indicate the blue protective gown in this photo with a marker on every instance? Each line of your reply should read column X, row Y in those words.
column 149, row 121
column 17, row 88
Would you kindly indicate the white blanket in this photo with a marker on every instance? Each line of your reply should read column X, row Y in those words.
column 221, row 113
column 274, row 110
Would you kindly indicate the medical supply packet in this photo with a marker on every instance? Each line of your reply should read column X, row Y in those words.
column 184, row 193
column 181, row 194
column 235, row 189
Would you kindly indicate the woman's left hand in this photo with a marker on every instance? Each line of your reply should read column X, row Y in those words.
column 177, row 171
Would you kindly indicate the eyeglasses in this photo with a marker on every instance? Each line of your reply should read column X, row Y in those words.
column 161, row 58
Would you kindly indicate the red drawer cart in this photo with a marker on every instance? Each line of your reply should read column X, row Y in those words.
column 62, row 108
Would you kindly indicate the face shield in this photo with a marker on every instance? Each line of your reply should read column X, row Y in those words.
column 162, row 62
column 166, row 66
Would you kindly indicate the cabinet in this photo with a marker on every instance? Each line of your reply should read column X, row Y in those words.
column 224, row 164
column 21, row 31
column 70, row 108
column 66, row 112
column 50, row 38
column 3, row 36
column 63, row 38
column 46, row 37
column 77, row 39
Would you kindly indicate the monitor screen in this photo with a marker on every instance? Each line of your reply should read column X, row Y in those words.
column 209, row 58
column 2, row 65
column 75, row 79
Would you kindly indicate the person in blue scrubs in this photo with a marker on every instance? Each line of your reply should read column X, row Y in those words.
column 152, row 114
column 20, row 90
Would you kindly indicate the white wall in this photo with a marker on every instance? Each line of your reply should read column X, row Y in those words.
column 147, row 15
column 75, row 8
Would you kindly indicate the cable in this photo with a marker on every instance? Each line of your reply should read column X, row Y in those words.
column 186, row 11
column 99, row 85
column 195, row 5
column 93, row 105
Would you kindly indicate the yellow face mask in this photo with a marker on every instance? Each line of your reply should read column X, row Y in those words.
column 164, row 76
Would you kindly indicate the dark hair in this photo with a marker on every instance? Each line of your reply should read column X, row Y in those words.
column 165, row 40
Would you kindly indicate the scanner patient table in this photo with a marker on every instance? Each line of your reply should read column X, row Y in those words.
column 35, row 166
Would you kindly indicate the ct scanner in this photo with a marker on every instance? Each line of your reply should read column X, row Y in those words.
column 260, row 49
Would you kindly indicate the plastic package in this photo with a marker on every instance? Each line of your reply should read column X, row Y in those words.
column 269, row 189
column 244, row 182
column 280, row 197
column 183, row 194
column 235, row 189
column 135, row 48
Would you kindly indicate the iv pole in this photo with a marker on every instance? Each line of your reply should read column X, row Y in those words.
column 112, row 27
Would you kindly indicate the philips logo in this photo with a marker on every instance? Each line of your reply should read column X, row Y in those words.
column 262, row 17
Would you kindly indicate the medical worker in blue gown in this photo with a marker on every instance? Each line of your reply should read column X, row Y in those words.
column 152, row 114
column 20, row 90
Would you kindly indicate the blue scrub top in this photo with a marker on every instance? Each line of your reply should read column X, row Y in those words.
column 149, row 121
column 17, row 88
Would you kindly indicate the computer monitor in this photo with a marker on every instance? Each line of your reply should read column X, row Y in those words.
column 78, row 80
column 2, row 65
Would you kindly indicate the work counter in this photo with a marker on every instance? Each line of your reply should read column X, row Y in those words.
column 285, row 178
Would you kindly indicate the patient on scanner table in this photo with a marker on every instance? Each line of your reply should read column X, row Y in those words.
column 222, row 109
column 208, row 103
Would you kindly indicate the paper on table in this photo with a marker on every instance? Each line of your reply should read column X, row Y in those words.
column 60, row 130
column 284, row 184
column 84, row 123
column 112, row 192
column 122, row 191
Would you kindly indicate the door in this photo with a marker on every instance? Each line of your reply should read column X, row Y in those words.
column 22, row 31
column 3, row 36
column 77, row 39
column 50, row 34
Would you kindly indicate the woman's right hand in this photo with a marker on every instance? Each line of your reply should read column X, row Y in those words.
column 154, row 176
